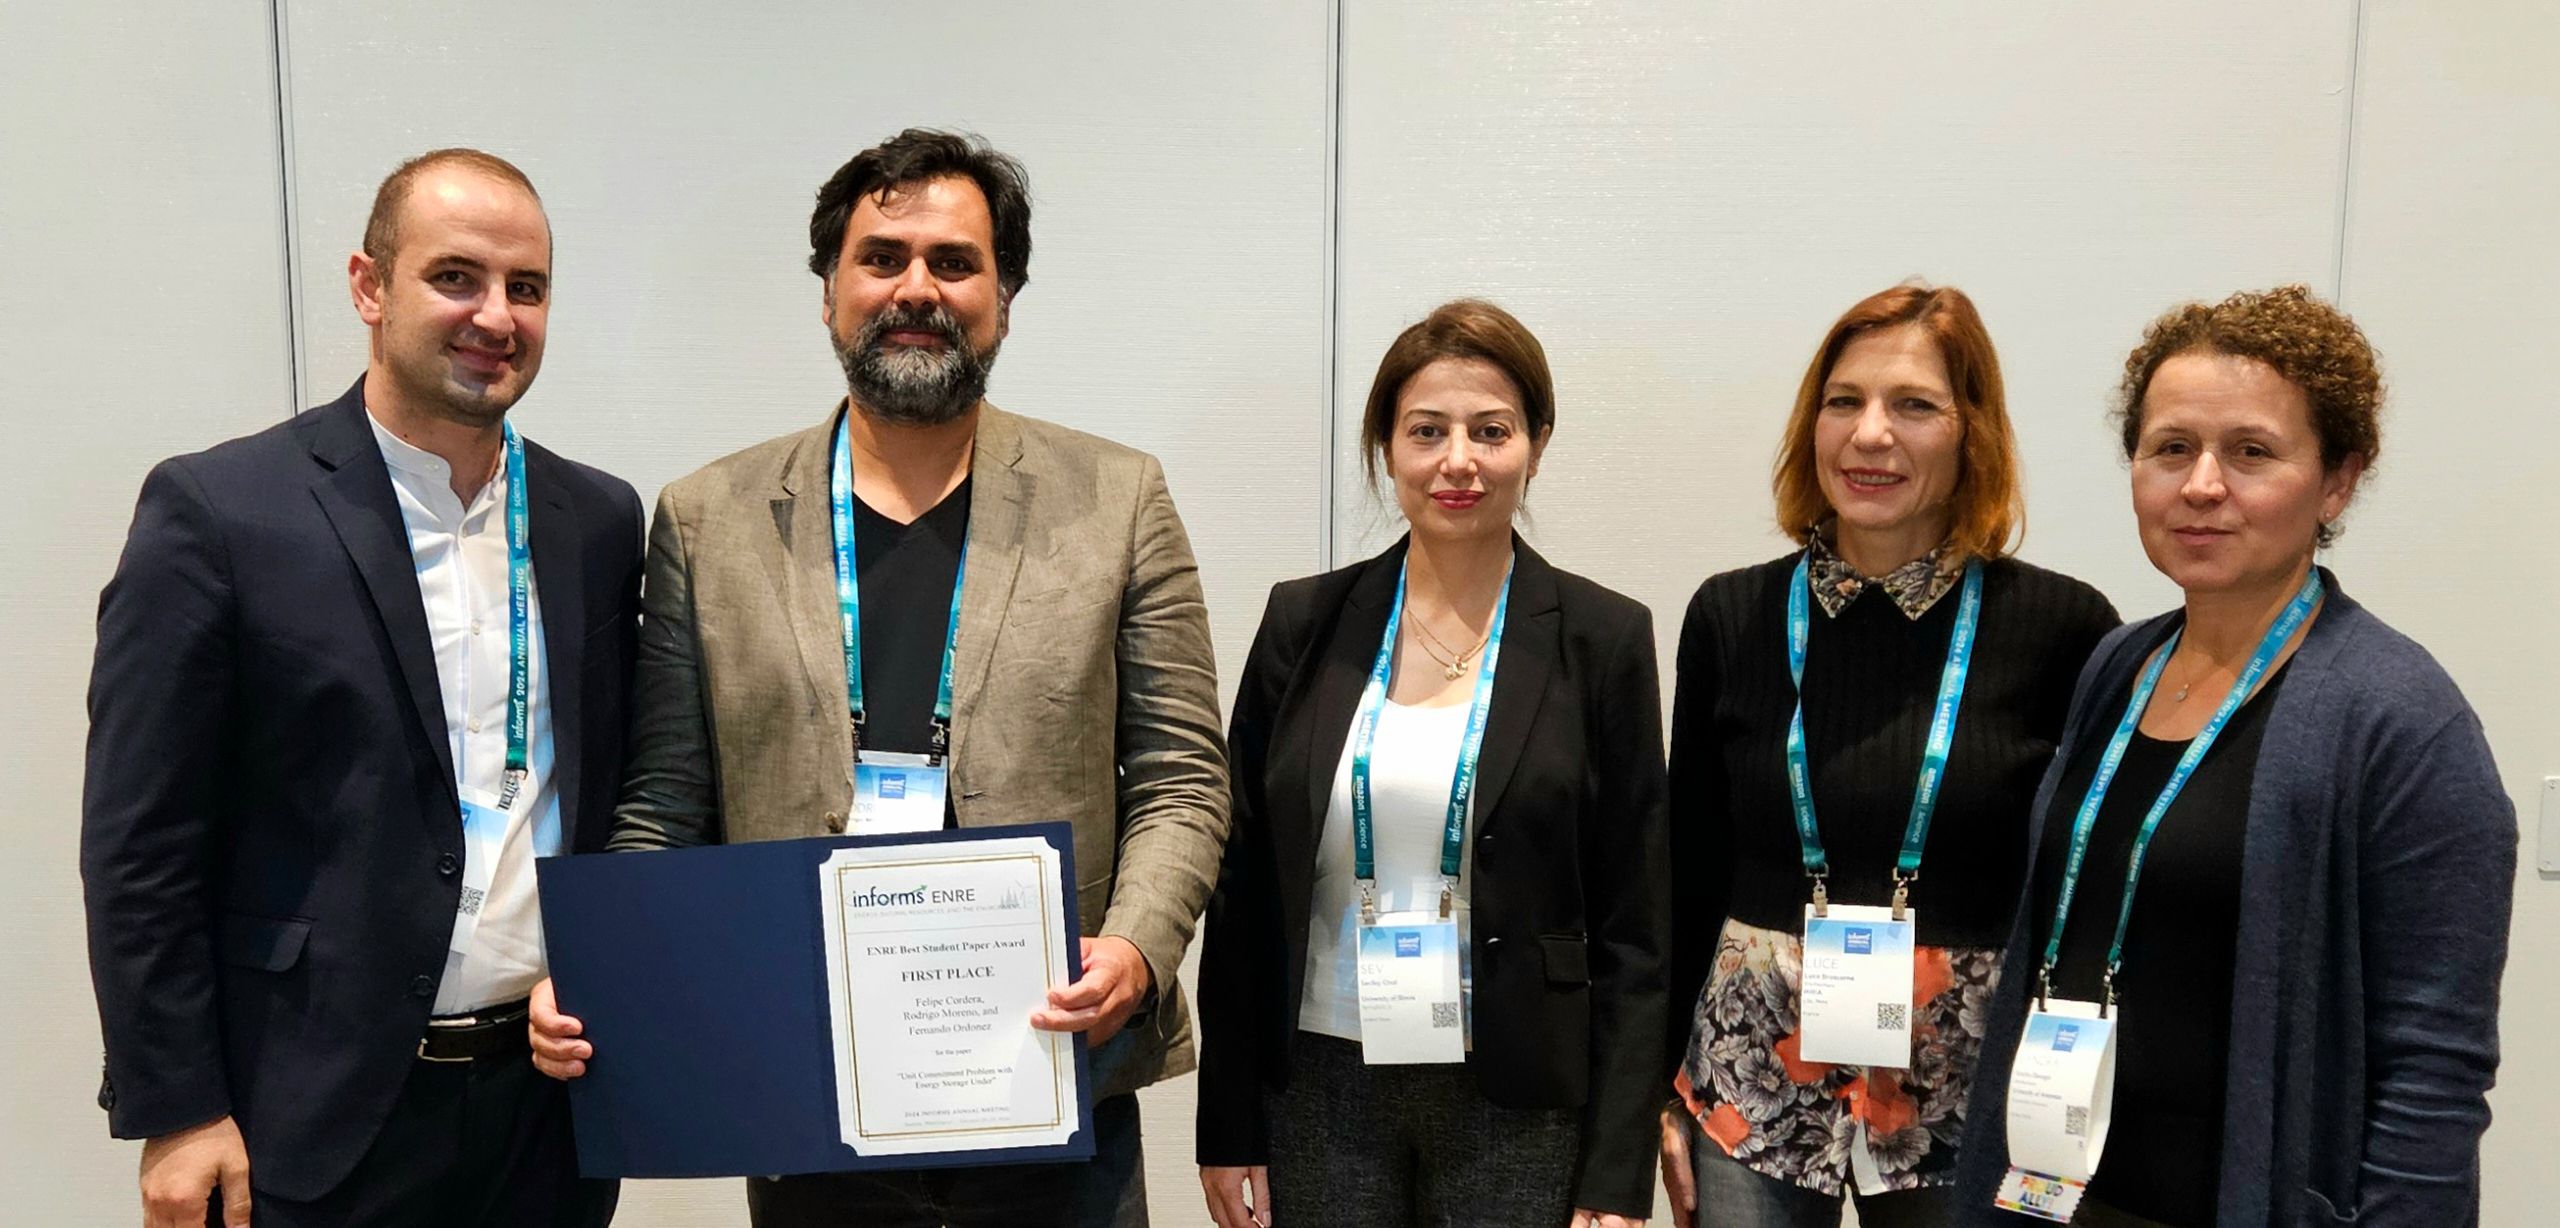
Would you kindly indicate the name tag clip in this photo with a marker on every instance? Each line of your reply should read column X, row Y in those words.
column 1821, row 894
column 1902, row 880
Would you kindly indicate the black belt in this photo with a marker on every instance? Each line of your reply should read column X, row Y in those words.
column 494, row 1031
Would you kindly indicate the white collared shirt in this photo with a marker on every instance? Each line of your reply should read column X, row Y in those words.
column 461, row 558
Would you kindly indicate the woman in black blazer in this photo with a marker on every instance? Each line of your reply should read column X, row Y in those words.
column 1531, row 1101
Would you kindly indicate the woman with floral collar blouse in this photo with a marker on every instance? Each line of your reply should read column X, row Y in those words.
column 1911, row 679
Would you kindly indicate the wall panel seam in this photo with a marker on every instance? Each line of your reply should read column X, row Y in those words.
column 1328, row 401
column 2347, row 160
column 282, row 62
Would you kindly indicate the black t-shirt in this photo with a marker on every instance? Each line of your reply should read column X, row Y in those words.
column 906, row 572
column 2163, row 1159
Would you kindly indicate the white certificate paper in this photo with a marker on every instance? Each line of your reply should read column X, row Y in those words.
column 937, row 953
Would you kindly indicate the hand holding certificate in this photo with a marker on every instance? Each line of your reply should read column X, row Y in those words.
column 832, row 1004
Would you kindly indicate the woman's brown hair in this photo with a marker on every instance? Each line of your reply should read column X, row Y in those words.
column 1990, row 511
column 1464, row 328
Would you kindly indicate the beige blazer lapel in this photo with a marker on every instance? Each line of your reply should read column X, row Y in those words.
column 800, row 559
column 999, row 494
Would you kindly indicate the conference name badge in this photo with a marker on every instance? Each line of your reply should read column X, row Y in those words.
column 1410, row 1010
column 897, row 794
column 2060, row 1091
column 1857, row 982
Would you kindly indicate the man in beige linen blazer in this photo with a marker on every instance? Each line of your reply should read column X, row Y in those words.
column 1083, row 688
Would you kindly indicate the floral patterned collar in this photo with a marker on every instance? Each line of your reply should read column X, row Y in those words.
column 1913, row 587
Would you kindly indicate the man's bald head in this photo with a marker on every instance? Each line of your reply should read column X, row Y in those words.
column 391, row 200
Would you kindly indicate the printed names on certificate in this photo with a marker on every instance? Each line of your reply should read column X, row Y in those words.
column 937, row 954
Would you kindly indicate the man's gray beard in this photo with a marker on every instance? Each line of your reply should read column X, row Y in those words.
column 910, row 385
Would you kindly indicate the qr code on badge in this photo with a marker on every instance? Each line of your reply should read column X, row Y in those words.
column 2075, row 1120
column 471, row 897
column 1444, row 1014
column 1893, row 1016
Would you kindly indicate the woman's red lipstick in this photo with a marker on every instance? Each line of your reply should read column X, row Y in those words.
column 1456, row 500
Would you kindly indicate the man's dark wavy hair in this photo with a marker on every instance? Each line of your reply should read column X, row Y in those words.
column 915, row 157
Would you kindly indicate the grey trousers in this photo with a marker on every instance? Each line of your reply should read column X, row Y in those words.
column 1378, row 1146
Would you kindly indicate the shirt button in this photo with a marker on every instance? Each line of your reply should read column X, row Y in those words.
column 475, row 626
column 473, row 724
column 835, row 822
column 421, row 986
column 447, row 866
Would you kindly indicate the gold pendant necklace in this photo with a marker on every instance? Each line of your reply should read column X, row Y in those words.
column 1453, row 663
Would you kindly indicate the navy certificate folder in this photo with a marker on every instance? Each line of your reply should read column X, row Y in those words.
column 700, row 977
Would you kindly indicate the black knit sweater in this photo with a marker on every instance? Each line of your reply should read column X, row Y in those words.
column 1870, row 683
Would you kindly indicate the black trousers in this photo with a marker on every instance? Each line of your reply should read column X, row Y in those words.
column 1109, row 1191
column 483, row 1143
column 1361, row 1146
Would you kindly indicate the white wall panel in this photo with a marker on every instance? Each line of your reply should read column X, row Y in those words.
column 1679, row 198
column 140, row 242
column 1176, row 154
column 2451, row 268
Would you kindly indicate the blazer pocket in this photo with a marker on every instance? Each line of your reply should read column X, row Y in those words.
column 268, row 944
column 1051, row 603
column 2324, row 1211
column 1568, row 958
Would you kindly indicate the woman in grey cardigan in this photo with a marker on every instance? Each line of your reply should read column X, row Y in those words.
column 2275, row 861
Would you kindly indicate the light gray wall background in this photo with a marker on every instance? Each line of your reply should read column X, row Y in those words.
column 1238, row 205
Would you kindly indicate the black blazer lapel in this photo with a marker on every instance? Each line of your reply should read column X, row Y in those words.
column 1331, row 697
column 356, row 496
column 561, row 581
column 1530, row 646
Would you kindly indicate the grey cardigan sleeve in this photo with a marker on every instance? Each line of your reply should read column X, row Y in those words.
column 2436, row 880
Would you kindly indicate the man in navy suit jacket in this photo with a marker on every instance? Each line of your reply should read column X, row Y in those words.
column 333, row 721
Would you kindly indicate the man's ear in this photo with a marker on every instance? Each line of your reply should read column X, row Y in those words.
column 364, row 286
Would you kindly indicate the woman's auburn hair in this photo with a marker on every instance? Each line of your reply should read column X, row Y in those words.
column 1990, row 510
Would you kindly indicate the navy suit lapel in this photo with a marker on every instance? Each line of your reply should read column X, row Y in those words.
column 1530, row 645
column 561, row 583
column 356, row 496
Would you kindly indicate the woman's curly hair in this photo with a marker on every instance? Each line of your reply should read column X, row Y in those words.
column 2312, row 344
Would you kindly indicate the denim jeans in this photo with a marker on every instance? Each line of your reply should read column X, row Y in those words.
column 1732, row 1195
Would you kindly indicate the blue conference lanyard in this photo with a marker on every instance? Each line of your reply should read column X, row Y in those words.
column 2290, row 621
column 849, row 601
column 1462, row 785
column 519, row 621
column 1933, row 760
